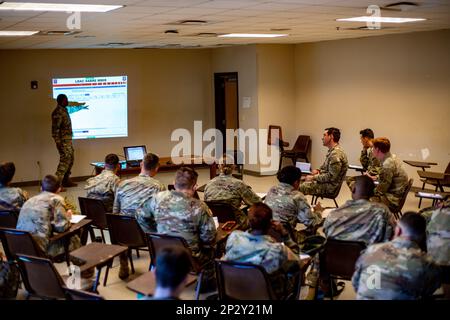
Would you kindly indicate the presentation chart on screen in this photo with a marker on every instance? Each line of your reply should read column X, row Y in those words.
column 97, row 105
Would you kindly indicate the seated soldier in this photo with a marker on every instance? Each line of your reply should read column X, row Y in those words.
column 228, row 189
column 178, row 213
column 46, row 213
column 11, row 199
column 327, row 180
column 392, row 179
column 359, row 219
column 133, row 192
column 289, row 206
column 438, row 239
column 398, row 269
column 257, row 247
column 103, row 186
column 369, row 162
column 172, row 268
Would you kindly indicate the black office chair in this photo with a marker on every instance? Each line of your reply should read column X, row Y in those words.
column 95, row 210
column 157, row 241
column 338, row 259
column 125, row 231
column 8, row 219
column 40, row 277
column 16, row 242
column 73, row 294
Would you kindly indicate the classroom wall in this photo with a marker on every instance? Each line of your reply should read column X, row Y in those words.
column 276, row 92
column 398, row 85
column 241, row 59
column 167, row 89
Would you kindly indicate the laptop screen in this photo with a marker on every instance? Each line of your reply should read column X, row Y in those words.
column 304, row 166
column 135, row 153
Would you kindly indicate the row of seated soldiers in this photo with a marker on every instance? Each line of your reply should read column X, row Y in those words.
column 177, row 212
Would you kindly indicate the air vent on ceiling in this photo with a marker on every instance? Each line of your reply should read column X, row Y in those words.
column 189, row 22
column 280, row 29
column 204, row 34
column 173, row 31
column 400, row 6
column 114, row 44
column 363, row 28
column 59, row 33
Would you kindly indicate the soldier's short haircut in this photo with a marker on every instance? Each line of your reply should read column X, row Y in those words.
column 413, row 225
column 111, row 160
column 7, row 171
column 172, row 266
column 289, row 174
column 364, row 186
column 60, row 98
column 382, row 144
column 260, row 216
column 335, row 132
column 151, row 161
column 185, row 178
column 367, row 133
column 51, row 183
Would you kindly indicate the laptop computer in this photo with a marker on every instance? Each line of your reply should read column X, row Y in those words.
column 134, row 155
column 305, row 167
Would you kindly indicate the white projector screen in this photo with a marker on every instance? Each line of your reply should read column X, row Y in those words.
column 104, row 112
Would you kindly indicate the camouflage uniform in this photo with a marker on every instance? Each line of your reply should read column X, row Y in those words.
column 406, row 272
column 332, row 173
column 12, row 199
column 264, row 251
column 233, row 191
column 370, row 164
column 360, row 220
column 393, row 181
column 41, row 216
column 132, row 193
column 438, row 234
column 176, row 214
column 62, row 134
column 290, row 207
column 9, row 279
column 103, row 187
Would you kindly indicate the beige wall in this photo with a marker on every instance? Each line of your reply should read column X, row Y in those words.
column 241, row 59
column 276, row 90
column 167, row 89
column 398, row 85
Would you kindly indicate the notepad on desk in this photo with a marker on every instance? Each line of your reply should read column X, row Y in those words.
column 77, row 218
column 430, row 195
column 356, row 167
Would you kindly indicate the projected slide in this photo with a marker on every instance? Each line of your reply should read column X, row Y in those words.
column 97, row 105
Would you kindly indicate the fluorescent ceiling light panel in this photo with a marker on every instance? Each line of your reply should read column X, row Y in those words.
column 10, row 33
column 251, row 35
column 65, row 7
column 381, row 19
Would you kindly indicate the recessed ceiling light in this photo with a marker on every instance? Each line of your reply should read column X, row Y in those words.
column 66, row 7
column 381, row 19
column 9, row 33
column 251, row 35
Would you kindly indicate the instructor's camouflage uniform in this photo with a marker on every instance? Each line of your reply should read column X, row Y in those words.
column 332, row 173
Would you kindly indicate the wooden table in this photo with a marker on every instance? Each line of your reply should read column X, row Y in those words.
column 97, row 255
column 439, row 177
column 420, row 164
column 145, row 284
column 66, row 235
column 165, row 164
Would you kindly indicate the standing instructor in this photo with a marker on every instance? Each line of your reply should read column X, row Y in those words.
column 62, row 133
